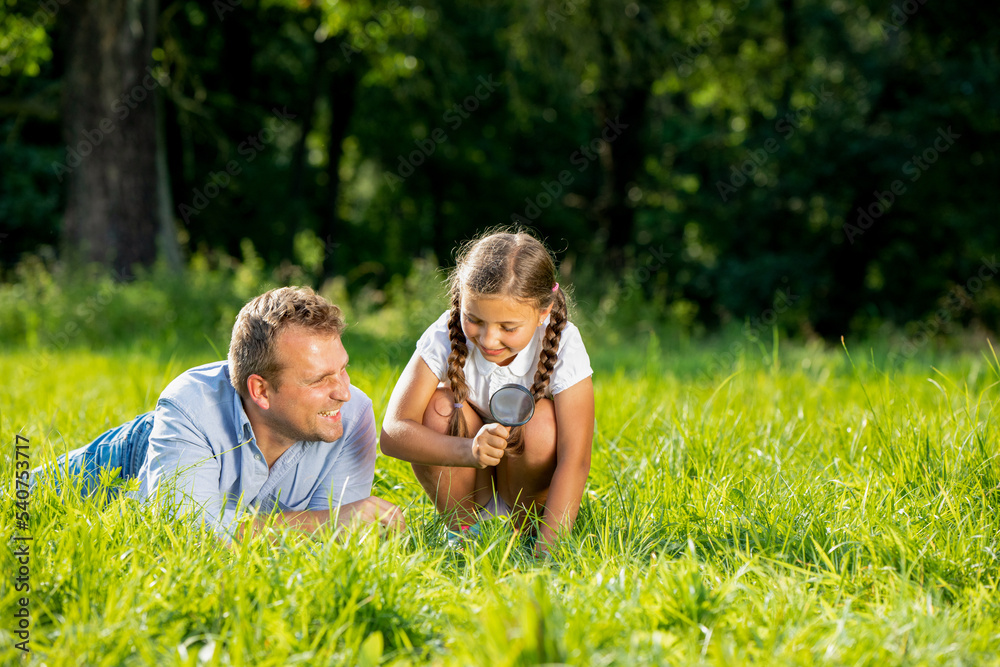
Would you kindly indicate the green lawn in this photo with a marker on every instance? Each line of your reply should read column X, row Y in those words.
column 800, row 511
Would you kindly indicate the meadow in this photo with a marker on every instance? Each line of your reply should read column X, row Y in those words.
column 796, row 504
column 799, row 511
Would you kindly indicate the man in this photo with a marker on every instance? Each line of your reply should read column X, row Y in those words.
column 278, row 429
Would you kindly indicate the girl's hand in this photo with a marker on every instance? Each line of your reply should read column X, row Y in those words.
column 489, row 444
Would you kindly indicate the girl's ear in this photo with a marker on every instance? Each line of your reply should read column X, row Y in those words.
column 542, row 314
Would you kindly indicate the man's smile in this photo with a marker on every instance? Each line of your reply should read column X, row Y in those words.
column 332, row 415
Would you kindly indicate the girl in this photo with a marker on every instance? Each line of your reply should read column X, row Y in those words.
column 507, row 324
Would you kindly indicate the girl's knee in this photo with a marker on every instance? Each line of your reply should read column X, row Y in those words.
column 439, row 409
column 538, row 458
column 542, row 427
column 437, row 416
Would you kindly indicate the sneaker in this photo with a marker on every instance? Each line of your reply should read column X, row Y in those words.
column 457, row 539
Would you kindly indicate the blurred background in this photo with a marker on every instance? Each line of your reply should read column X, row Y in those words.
column 814, row 168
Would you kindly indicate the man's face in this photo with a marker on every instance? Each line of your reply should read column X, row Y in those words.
column 312, row 386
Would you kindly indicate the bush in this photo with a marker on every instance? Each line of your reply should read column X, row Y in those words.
column 47, row 304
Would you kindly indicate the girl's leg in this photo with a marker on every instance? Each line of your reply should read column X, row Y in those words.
column 485, row 485
column 523, row 481
column 452, row 489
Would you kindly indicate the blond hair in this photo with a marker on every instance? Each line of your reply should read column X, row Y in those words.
column 253, row 349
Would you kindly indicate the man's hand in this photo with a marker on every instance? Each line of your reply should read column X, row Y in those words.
column 371, row 510
column 489, row 444
column 365, row 511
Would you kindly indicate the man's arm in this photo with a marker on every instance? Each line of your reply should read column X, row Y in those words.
column 368, row 510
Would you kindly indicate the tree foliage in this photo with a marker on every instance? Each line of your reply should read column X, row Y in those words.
column 714, row 153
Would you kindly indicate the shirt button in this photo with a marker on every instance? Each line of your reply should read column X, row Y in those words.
column 257, row 456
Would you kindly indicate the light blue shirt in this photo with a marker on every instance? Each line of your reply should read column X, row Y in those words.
column 203, row 456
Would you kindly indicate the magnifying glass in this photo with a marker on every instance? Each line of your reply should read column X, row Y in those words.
column 512, row 405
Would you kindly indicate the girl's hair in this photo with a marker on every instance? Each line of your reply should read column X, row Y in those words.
column 512, row 266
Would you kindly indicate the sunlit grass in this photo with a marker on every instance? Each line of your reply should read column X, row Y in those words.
column 800, row 511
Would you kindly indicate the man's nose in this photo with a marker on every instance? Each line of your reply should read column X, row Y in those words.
column 341, row 391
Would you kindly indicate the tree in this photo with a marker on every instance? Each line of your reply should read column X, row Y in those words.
column 114, row 210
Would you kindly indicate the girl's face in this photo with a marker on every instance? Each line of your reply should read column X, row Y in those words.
column 500, row 327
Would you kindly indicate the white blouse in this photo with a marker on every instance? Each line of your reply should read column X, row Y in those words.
column 484, row 377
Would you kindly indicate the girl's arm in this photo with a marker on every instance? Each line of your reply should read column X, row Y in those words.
column 405, row 437
column 574, row 437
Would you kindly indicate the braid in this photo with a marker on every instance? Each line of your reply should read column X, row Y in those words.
column 550, row 346
column 456, row 366
column 546, row 362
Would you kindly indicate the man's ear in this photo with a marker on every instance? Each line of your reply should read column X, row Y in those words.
column 260, row 391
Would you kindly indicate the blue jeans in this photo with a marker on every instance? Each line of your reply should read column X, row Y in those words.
column 123, row 447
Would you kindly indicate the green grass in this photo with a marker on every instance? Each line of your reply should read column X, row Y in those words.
column 800, row 511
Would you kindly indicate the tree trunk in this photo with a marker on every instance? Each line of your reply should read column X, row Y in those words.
column 109, row 122
column 321, row 53
column 623, row 167
column 838, row 299
column 167, row 246
column 343, row 98
column 626, row 93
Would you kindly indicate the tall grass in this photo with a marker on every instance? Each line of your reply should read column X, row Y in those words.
column 814, row 514
column 796, row 506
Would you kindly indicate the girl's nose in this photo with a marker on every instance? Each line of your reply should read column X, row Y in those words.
column 490, row 341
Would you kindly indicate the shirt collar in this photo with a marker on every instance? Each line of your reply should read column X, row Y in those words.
column 244, row 431
column 524, row 362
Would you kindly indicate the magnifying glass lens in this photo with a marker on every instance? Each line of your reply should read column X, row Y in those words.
column 512, row 405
